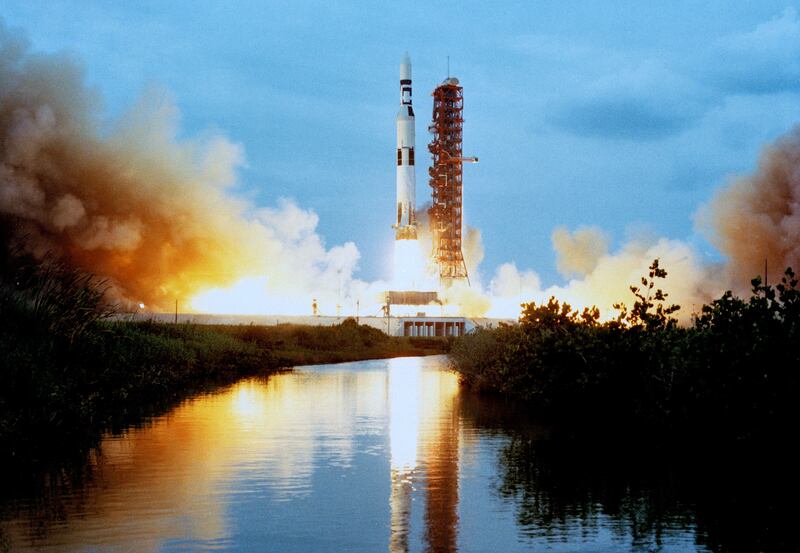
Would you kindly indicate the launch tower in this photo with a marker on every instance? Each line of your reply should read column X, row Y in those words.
column 446, row 180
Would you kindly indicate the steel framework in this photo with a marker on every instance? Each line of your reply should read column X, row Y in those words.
column 446, row 181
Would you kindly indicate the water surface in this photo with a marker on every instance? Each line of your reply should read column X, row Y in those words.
column 376, row 456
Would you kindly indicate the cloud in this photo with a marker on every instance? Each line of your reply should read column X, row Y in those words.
column 765, row 60
column 646, row 102
column 548, row 48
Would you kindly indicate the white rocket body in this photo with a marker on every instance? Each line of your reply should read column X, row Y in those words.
column 406, row 224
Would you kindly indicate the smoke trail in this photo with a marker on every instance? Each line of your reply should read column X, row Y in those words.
column 151, row 213
column 757, row 217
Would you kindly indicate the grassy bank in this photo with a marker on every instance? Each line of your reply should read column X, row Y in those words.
column 734, row 374
column 308, row 345
column 68, row 373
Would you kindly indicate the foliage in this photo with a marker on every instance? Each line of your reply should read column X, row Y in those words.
column 646, row 299
column 60, row 299
column 733, row 373
column 69, row 372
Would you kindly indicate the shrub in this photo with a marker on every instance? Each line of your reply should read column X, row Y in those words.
column 734, row 373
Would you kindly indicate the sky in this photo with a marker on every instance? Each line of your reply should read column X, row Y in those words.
column 625, row 116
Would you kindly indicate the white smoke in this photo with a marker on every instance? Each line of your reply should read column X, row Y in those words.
column 156, row 215
column 579, row 252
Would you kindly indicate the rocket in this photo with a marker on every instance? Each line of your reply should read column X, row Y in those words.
column 406, row 225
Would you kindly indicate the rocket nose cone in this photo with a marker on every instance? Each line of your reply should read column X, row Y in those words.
column 405, row 67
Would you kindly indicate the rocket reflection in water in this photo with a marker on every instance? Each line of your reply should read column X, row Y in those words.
column 422, row 410
column 404, row 390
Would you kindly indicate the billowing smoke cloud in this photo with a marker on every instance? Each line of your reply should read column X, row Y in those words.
column 753, row 219
column 469, row 299
column 137, row 206
column 757, row 217
column 577, row 253
column 609, row 280
column 686, row 283
column 157, row 217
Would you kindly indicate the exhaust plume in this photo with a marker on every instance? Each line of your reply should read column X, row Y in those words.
column 578, row 253
column 158, row 218
column 137, row 206
column 757, row 217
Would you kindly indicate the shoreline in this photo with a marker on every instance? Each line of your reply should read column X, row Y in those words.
column 64, row 392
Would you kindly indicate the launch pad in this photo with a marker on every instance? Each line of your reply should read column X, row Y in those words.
column 446, row 211
column 412, row 298
column 430, row 327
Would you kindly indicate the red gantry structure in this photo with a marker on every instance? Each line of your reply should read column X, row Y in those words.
column 446, row 180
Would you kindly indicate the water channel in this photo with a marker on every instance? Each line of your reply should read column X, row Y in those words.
column 385, row 455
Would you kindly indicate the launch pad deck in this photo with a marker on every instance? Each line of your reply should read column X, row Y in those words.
column 409, row 297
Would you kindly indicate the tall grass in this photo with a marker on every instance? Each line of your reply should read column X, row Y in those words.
column 68, row 372
column 59, row 299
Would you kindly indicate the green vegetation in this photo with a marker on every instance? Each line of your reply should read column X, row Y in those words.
column 309, row 345
column 68, row 372
column 733, row 374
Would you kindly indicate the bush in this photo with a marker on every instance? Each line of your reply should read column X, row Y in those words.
column 69, row 373
column 734, row 373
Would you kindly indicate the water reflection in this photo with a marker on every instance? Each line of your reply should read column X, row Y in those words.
column 424, row 438
column 614, row 492
column 390, row 455
column 404, row 381
column 440, row 450
column 173, row 480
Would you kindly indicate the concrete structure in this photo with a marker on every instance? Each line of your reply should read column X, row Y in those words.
column 434, row 326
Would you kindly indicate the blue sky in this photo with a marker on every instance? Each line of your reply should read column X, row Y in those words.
column 624, row 115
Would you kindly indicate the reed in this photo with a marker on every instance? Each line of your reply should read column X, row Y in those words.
column 69, row 373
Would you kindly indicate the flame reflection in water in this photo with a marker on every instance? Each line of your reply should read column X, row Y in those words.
column 184, row 477
column 363, row 456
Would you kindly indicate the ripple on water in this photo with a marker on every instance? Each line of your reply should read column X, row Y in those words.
column 356, row 457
